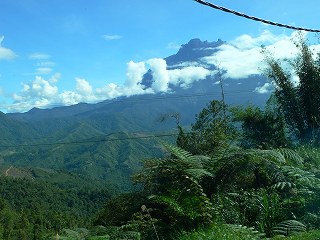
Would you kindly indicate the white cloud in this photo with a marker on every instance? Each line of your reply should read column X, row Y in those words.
column 246, row 41
column 266, row 88
column 132, row 85
column 69, row 98
column 6, row 53
column 109, row 91
column 186, row 76
column 44, row 93
column 160, row 74
column 45, row 64
column 39, row 56
column 83, row 87
column 38, row 93
column 111, row 37
column 242, row 57
column 43, row 71
column 189, row 64
column 135, row 72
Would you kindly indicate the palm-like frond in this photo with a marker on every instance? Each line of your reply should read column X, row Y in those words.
column 302, row 177
column 269, row 155
column 292, row 157
column 282, row 156
column 310, row 154
column 283, row 185
column 192, row 165
column 289, row 227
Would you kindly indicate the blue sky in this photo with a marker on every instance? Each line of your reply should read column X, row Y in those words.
column 69, row 51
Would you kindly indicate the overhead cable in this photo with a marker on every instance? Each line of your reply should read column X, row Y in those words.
column 91, row 141
column 254, row 18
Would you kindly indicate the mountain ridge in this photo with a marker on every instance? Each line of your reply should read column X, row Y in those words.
column 115, row 160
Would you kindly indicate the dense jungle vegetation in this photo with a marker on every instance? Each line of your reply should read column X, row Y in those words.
column 240, row 173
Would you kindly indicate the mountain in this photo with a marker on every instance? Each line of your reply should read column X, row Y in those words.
column 104, row 140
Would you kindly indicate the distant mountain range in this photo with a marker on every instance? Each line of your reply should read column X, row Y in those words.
column 53, row 138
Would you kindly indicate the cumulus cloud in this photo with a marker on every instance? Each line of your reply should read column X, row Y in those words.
column 111, row 37
column 6, row 53
column 38, row 88
column 242, row 57
column 109, row 91
column 186, row 76
column 44, row 93
column 135, row 72
column 160, row 74
column 83, row 87
column 239, row 59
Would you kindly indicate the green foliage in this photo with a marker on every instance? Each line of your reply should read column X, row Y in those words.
column 311, row 156
column 97, row 233
column 211, row 131
column 176, row 195
column 270, row 212
column 118, row 210
column 288, row 227
column 223, row 232
column 32, row 209
column 309, row 235
column 261, row 129
column 299, row 102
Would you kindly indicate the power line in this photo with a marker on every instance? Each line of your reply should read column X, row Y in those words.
column 91, row 141
column 254, row 18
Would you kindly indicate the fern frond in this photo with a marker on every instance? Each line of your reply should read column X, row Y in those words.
column 291, row 157
column 282, row 185
column 192, row 165
column 302, row 177
column 254, row 234
column 198, row 173
column 270, row 155
column 180, row 153
column 310, row 155
column 288, row 227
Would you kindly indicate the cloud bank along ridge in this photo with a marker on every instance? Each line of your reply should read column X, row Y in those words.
column 44, row 93
column 239, row 58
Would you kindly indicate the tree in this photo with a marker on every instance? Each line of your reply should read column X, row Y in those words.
column 299, row 101
column 176, row 195
column 263, row 129
column 211, row 131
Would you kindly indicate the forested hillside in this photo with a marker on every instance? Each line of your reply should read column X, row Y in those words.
column 108, row 140
column 239, row 172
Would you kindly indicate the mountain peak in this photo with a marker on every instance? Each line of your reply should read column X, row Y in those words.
column 193, row 51
column 197, row 43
